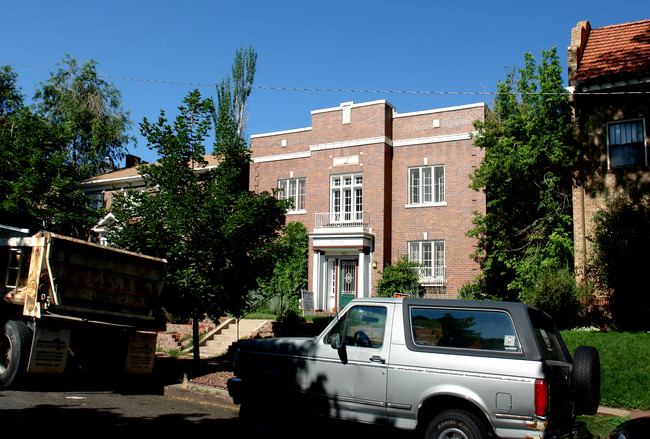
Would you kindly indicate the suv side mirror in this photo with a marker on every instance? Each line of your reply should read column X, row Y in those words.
column 335, row 341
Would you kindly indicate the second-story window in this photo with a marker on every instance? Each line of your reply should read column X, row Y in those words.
column 626, row 143
column 427, row 185
column 293, row 189
column 346, row 198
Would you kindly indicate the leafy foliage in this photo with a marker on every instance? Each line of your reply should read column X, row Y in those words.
column 38, row 182
column 619, row 261
column 216, row 235
column 400, row 277
column 290, row 269
column 88, row 112
column 526, row 175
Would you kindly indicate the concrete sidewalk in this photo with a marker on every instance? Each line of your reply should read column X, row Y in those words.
column 632, row 414
column 200, row 393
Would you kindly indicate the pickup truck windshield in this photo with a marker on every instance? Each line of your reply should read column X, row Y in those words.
column 469, row 329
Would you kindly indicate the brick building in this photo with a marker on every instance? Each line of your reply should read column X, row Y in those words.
column 609, row 72
column 371, row 185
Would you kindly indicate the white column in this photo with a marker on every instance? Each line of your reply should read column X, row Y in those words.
column 316, row 284
column 361, row 281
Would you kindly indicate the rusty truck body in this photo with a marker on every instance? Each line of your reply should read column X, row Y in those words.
column 68, row 303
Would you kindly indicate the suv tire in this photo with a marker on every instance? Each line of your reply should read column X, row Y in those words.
column 456, row 424
column 586, row 380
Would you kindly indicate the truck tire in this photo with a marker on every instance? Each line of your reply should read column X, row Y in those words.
column 15, row 344
column 585, row 378
column 456, row 424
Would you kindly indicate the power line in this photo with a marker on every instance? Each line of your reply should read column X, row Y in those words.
column 333, row 90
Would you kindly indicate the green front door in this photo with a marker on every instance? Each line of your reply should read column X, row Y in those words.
column 347, row 281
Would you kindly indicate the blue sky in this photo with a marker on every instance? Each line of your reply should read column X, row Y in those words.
column 445, row 47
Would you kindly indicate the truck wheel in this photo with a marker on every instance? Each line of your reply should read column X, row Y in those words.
column 14, row 352
column 456, row 424
column 586, row 380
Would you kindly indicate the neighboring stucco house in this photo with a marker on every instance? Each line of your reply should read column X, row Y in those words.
column 371, row 185
column 102, row 187
column 609, row 73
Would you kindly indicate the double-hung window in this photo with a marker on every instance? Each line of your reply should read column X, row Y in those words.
column 346, row 198
column 426, row 185
column 626, row 144
column 430, row 255
column 293, row 189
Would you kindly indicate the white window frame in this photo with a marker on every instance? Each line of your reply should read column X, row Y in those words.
column 294, row 189
column 431, row 257
column 346, row 198
column 633, row 139
column 426, row 185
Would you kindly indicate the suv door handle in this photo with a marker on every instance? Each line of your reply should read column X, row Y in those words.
column 377, row 359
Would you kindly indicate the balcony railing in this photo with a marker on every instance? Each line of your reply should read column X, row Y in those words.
column 337, row 220
column 431, row 276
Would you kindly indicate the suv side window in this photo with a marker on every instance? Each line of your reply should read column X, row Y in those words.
column 547, row 337
column 464, row 328
column 362, row 326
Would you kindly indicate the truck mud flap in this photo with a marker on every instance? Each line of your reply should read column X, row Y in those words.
column 140, row 353
column 49, row 351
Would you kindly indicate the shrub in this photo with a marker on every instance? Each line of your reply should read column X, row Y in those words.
column 400, row 277
column 557, row 293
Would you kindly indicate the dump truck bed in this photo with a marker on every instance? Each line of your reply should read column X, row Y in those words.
column 75, row 279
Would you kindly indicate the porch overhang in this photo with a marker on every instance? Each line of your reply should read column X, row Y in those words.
column 360, row 241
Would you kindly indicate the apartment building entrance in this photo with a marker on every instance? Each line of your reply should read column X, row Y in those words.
column 347, row 281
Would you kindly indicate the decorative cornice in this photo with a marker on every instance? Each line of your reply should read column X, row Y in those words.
column 433, row 139
column 350, row 143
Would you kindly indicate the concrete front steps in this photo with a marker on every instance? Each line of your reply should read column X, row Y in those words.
column 218, row 341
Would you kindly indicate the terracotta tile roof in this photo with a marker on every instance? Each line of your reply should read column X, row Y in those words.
column 615, row 50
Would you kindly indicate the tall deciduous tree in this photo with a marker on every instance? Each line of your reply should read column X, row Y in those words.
column 89, row 112
column 38, row 184
column 526, row 175
column 215, row 234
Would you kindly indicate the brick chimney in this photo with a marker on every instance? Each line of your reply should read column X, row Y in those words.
column 579, row 36
column 132, row 161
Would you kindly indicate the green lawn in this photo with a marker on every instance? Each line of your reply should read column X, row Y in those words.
column 624, row 363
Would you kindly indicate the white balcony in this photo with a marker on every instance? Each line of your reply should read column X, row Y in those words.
column 343, row 220
column 432, row 276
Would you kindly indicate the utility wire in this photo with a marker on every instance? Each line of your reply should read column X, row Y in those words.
column 333, row 90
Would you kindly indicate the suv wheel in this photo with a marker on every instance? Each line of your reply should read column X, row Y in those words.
column 456, row 424
column 586, row 380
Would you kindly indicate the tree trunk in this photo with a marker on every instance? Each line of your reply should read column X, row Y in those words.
column 195, row 342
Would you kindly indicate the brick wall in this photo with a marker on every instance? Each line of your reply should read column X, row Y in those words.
column 595, row 181
column 372, row 139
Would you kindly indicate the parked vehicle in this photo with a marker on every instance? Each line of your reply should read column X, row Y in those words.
column 71, row 303
column 449, row 368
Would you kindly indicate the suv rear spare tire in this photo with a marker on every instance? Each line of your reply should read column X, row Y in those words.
column 586, row 380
